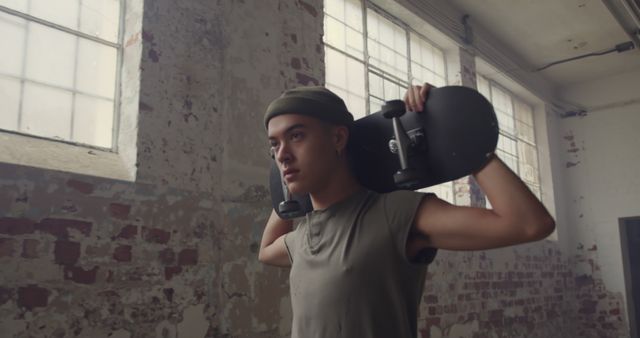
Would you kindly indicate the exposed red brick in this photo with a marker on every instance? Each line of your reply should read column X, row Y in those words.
column 7, row 247
column 30, row 248
column 496, row 315
column 188, row 257
column 122, row 253
column 167, row 256
column 60, row 227
column 82, row 187
column 5, row 295
column 80, row 275
column 168, row 293
column 583, row 280
column 16, row 226
column 170, row 271
column 119, row 211
column 127, row 232
column 32, row 296
column 66, row 252
column 588, row 307
column 614, row 312
column 154, row 235
column 431, row 299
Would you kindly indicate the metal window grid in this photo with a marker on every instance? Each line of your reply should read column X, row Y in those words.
column 73, row 90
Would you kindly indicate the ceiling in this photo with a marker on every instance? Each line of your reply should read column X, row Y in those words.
column 543, row 31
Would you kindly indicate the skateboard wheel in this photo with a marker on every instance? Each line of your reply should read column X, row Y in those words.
column 289, row 207
column 406, row 179
column 393, row 108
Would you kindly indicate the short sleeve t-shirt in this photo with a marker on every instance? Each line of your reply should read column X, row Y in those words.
column 350, row 276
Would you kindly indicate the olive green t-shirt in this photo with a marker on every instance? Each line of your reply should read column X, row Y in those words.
column 350, row 276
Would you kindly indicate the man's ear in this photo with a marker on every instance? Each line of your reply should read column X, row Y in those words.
column 341, row 137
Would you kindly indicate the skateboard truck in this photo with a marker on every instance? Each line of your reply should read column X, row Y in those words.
column 289, row 206
column 405, row 177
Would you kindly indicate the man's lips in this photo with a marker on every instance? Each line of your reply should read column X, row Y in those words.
column 288, row 173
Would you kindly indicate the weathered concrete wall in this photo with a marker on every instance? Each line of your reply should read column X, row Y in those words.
column 175, row 253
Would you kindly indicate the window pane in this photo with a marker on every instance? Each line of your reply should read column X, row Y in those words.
column 387, row 44
column 524, row 121
column 346, row 75
column 10, row 98
column 12, row 33
column 334, row 33
column 355, row 43
column 343, row 26
column 93, row 121
column 336, row 65
column 383, row 90
column 507, row 144
column 96, row 72
column 335, row 8
column 509, row 160
column 523, row 112
column 528, row 159
column 375, row 104
column 525, row 132
column 46, row 111
column 50, row 55
column 438, row 60
column 444, row 191
column 353, row 14
column 100, row 18
column 483, row 87
column 18, row 5
column 427, row 62
column 376, row 85
column 62, row 12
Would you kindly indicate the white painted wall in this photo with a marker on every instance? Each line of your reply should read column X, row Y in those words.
column 604, row 184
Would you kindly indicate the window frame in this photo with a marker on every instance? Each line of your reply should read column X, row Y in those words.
column 512, row 97
column 366, row 5
column 119, row 46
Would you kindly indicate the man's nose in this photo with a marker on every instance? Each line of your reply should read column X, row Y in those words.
column 283, row 153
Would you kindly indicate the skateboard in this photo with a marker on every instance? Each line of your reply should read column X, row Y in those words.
column 394, row 149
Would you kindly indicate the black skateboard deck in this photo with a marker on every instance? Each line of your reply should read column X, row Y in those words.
column 452, row 137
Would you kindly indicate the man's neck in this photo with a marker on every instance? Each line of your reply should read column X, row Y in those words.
column 340, row 187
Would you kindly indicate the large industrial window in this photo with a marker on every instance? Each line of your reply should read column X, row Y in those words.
column 372, row 57
column 59, row 69
column 517, row 141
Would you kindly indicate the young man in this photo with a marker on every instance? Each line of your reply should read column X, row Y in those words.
column 358, row 261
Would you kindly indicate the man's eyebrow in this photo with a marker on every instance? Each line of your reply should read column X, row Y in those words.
column 291, row 128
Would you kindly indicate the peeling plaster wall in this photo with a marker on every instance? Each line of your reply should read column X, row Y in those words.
column 175, row 253
column 601, row 160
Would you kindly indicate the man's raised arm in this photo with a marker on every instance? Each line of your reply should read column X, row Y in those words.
column 272, row 248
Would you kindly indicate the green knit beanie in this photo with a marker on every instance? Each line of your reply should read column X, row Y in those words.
column 315, row 101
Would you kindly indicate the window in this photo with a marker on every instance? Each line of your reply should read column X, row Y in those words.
column 372, row 57
column 59, row 69
column 516, row 143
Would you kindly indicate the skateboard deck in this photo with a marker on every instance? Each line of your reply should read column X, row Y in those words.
column 452, row 137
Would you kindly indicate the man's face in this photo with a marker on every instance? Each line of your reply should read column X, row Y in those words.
column 304, row 149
